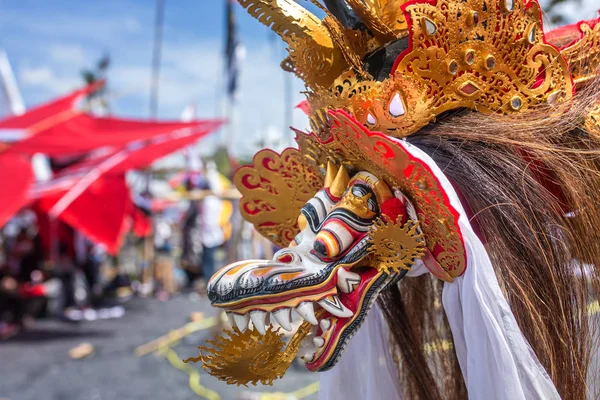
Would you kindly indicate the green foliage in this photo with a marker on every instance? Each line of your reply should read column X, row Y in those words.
column 223, row 161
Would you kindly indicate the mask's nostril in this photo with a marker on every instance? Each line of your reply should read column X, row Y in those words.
column 285, row 259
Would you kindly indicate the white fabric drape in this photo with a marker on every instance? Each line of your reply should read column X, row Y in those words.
column 496, row 360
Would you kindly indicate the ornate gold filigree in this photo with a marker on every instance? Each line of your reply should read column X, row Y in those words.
column 396, row 246
column 390, row 13
column 486, row 55
column 476, row 54
column 320, row 51
column 583, row 55
column 249, row 357
column 352, row 145
column 367, row 12
column 314, row 57
column 274, row 189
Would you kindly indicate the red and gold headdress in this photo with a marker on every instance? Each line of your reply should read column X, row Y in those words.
column 396, row 71
column 408, row 62
column 376, row 72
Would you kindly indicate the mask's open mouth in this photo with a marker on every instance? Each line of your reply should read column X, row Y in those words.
column 335, row 304
column 322, row 350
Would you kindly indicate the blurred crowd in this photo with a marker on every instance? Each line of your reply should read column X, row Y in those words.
column 50, row 270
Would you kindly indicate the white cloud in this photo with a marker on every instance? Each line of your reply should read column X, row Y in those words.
column 36, row 76
column 131, row 24
column 192, row 73
column 68, row 53
column 46, row 79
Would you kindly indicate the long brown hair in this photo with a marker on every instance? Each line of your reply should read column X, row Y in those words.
column 532, row 183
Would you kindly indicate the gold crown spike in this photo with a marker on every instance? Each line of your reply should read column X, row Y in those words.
column 330, row 174
column 486, row 55
column 340, row 183
column 314, row 56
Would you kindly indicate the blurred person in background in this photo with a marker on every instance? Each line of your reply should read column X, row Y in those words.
column 21, row 277
column 163, row 264
column 203, row 233
column 88, row 260
column 211, row 224
column 191, row 257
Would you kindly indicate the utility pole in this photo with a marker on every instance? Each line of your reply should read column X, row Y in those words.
column 156, row 57
column 148, row 247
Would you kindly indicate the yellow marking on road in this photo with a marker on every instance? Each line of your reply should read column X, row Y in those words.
column 164, row 343
column 174, row 336
column 194, row 375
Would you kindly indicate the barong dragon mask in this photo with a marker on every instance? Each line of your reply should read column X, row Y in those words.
column 353, row 209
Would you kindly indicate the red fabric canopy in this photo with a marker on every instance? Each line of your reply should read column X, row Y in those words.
column 102, row 213
column 136, row 155
column 58, row 129
column 115, row 161
column 103, row 194
column 82, row 133
column 16, row 178
column 47, row 110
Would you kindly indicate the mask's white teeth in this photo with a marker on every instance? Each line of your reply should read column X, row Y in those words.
column 307, row 311
column 308, row 357
column 258, row 319
column 335, row 307
column 284, row 318
column 347, row 281
column 307, row 349
column 319, row 341
column 230, row 318
column 241, row 321
column 325, row 324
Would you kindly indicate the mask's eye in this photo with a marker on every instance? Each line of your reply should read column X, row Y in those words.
column 359, row 191
column 372, row 205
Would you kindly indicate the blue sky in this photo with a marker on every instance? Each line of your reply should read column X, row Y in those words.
column 50, row 42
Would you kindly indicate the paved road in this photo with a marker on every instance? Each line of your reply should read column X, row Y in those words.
column 36, row 365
